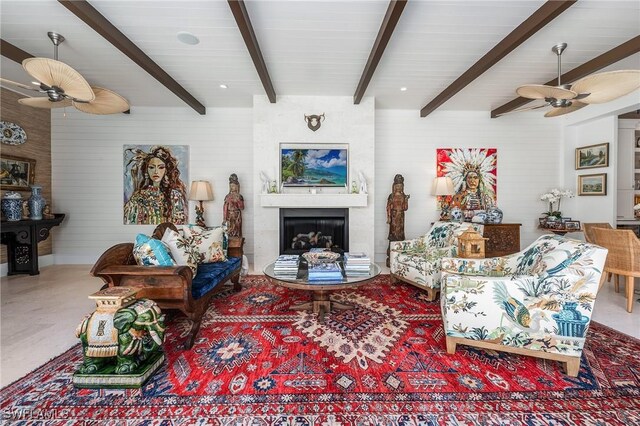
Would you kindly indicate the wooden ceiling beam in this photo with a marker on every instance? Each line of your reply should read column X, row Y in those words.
column 83, row 10
column 541, row 17
column 614, row 55
column 394, row 11
column 13, row 52
column 632, row 115
column 246, row 29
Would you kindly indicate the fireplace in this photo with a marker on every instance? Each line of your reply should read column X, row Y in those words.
column 303, row 229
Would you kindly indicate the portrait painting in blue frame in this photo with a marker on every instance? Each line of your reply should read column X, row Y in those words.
column 313, row 165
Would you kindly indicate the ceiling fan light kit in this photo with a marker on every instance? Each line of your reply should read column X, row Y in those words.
column 592, row 89
column 65, row 86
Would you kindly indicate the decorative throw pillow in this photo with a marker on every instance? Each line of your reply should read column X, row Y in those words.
column 181, row 249
column 151, row 252
column 214, row 254
column 207, row 241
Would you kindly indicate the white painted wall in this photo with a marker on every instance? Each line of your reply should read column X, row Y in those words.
column 591, row 208
column 283, row 122
column 530, row 160
column 87, row 170
column 534, row 155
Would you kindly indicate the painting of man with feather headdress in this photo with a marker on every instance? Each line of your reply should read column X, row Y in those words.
column 154, row 189
column 474, row 174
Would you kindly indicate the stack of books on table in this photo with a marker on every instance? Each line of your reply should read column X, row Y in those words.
column 287, row 266
column 356, row 264
column 325, row 271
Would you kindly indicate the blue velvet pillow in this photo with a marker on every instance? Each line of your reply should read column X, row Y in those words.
column 151, row 252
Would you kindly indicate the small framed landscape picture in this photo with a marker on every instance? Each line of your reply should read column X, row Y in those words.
column 588, row 157
column 592, row 184
column 17, row 173
column 572, row 225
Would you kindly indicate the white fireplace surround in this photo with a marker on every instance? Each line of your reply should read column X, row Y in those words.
column 313, row 200
column 282, row 122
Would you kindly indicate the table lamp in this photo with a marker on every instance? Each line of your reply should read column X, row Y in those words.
column 200, row 191
column 443, row 186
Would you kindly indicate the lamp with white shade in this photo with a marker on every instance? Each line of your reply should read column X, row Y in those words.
column 200, row 191
column 443, row 186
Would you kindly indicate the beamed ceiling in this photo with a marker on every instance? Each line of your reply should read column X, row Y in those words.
column 450, row 55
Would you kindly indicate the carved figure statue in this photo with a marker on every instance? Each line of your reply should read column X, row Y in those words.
column 46, row 212
column 25, row 209
column 127, row 338
column 363, row 182
column 233, row 206
column 397, row 204
column 266, row 185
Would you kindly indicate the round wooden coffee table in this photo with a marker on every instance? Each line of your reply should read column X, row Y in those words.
column 320, row 303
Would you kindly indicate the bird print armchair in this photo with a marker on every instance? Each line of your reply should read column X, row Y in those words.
column 417, row 261
column 536, row 302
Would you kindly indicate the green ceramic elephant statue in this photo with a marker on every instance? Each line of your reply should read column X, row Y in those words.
column 127, row 337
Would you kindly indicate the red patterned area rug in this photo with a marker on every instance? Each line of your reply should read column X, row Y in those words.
column 257, row 362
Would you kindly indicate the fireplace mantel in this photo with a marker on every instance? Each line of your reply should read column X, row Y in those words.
column 313, row 200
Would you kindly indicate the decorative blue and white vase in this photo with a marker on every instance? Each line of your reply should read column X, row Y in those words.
column 456, row 214
column 12, row 206
column 480, row 216
column 36, row 202
column 494, row 215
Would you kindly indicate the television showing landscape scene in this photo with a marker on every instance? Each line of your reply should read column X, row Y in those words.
column 313, row 165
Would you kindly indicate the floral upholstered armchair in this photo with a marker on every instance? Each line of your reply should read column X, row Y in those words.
column 537, row 302
column 417, row 261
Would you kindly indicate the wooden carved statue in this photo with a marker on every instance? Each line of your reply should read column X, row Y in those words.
column 233, row 206
column 397, row 204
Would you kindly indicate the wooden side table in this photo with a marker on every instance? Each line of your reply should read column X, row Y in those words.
column 502, row 239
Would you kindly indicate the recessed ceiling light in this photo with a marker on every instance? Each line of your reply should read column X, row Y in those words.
column 403, row 89
column 223, row 86
column 187, row 38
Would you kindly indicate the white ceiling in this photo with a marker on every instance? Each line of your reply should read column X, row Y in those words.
column 318, row 47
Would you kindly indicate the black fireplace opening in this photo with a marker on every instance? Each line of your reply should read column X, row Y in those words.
column 304, row 229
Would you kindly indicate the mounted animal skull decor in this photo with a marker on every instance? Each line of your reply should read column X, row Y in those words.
column 314, row 121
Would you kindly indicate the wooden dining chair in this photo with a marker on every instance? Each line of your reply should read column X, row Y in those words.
column 623, row 257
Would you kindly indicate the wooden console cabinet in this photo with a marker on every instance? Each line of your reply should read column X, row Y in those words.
column 503, row 239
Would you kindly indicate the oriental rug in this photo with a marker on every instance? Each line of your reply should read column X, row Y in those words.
column 257, row 362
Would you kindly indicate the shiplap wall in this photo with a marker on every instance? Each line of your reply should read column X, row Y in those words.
column 529, row 163
column 599, row 208
column 87, row 170
column 37, row 125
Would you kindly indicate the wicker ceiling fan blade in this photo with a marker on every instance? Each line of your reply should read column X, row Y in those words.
column 607, row 86
column 55, row 73
column 524, row 109
column 106, row 102
column 20, row 85
column 44, row 103
column 542, row 91
column 565, row 110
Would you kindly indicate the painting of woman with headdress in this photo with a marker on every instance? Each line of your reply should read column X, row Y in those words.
column 154, row 189
column 474, row 175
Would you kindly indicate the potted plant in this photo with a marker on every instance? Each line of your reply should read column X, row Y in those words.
column 554, row 197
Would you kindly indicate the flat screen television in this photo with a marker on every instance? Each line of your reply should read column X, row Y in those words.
column 314, row 165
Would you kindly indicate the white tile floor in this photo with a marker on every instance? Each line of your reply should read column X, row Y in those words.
column 39, row 315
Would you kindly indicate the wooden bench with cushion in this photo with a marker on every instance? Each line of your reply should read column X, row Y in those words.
column 171, row 287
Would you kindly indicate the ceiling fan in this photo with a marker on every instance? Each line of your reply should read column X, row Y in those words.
column 65, row 86
column 592, row 89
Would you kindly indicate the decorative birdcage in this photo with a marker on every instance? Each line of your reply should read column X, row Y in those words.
column 471, row 244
